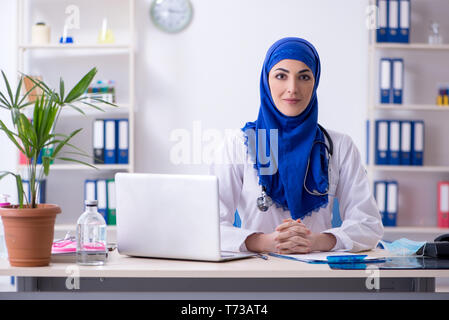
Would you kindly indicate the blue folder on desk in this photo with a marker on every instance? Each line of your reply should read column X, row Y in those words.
column 329, row 257
column 398, row 263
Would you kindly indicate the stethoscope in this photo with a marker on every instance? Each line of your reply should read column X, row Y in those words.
column 265, row 201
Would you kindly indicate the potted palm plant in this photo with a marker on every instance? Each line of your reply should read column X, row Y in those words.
column 29, row 227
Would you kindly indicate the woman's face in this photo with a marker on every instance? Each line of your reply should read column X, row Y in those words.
column 291, row 84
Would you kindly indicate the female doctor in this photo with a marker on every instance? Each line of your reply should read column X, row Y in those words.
column 283, row 171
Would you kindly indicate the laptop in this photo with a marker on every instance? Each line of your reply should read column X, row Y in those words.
column 170, row 216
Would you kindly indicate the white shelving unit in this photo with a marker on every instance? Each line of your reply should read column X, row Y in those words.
column 90, row 53
column 81, row 167
column 410, row 168
column 411, row 46
column 431, row 174
column 414, row 107
column 102, row 47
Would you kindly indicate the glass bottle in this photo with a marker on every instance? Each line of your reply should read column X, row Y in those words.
column 91, row 244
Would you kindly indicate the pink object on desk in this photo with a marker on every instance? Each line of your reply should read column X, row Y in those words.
column 4, row 200
column 68, row 245
column 95, row 247
column 63, row 246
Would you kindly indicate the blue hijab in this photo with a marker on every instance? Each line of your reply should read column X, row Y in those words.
column 295, row 138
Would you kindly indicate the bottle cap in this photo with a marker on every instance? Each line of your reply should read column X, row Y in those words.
column 91, row 203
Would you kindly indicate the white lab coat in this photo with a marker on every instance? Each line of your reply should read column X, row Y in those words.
column 239, row 187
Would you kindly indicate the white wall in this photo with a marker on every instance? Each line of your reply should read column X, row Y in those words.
column 211, row 71
column 7, row 64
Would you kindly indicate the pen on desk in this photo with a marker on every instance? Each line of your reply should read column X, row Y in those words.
column 262, row 256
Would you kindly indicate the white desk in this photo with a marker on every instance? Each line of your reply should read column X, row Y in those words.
column 239, row 279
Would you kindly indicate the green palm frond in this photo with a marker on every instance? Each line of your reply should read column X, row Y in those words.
column 32, row 136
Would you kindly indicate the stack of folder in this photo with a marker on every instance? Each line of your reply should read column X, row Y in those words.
column 393, row 21
column 391, row 80
column 399, row 142
column 111, row 141
column 386, row 194
column 102, row 190
column 102, row 89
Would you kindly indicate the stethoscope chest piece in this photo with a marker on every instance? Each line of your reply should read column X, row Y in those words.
column 264, row 201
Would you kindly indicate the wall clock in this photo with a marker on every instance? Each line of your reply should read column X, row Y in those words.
column 171, row 15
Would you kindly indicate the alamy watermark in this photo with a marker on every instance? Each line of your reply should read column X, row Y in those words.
column 72, row 281
column 372, row 282
column 213, row 146
column 372, row 17
column 73, row 19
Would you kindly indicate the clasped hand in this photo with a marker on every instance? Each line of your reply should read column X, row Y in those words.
column 292, row 236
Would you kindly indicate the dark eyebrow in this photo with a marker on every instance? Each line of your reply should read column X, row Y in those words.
column 286, row 71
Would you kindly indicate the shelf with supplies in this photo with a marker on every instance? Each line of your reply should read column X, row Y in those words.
column 81, row 167
column 423, row 230
column 410, row 46
column 72, row 227
column 410, row 107
column 415, row 233
column 67, row 111
column 106, row 41
column 76, row 50
column 406, row 101
column 73, row 46
column 89, row 110
column 401, row 168
column 61, row 230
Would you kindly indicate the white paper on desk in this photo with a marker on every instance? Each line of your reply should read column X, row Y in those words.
column 322, row 256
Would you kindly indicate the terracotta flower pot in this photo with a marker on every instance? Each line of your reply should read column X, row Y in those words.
column 29, row 234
